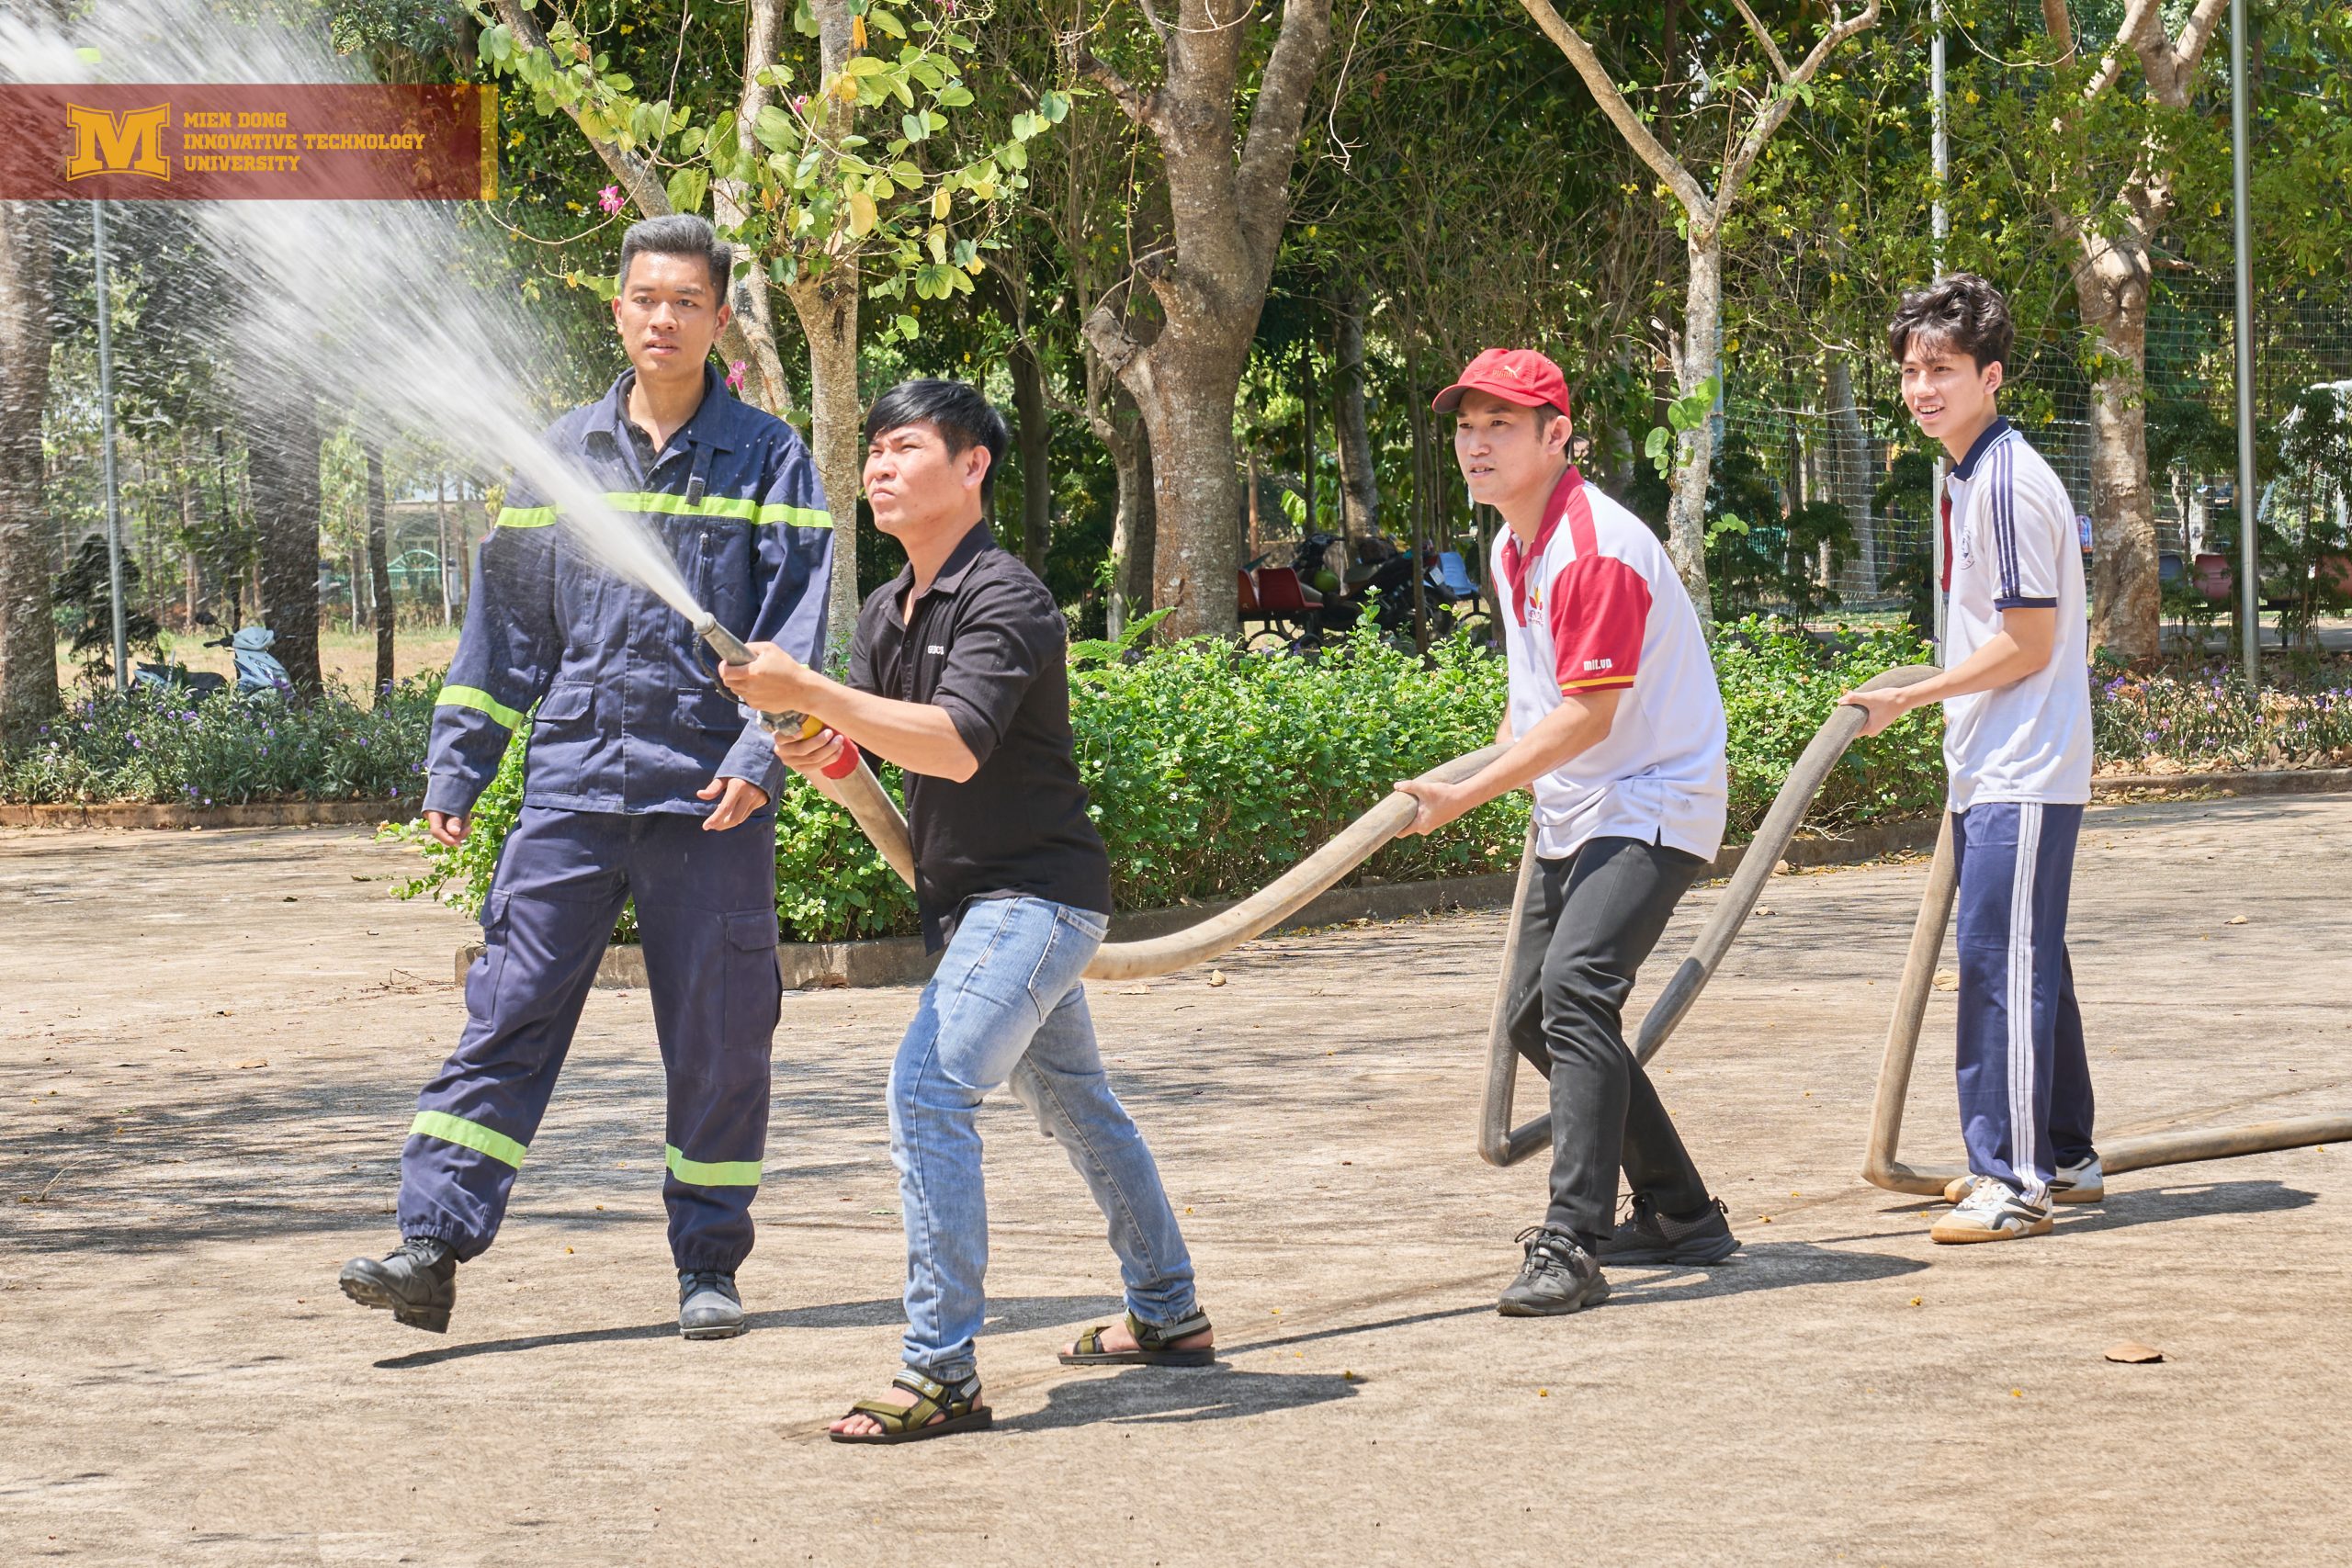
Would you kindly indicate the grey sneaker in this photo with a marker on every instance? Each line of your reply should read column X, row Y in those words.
column 1558, row 1277
column 1991, row 1212
column 708, row 1305
column 2082, row 1182
column 416, row 1283
column 1649, row 1236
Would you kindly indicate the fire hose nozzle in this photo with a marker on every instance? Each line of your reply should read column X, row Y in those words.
column 730, row 650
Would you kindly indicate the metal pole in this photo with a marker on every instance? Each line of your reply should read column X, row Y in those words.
column 106, row 423
column 1940, row 226
column 2249, row 546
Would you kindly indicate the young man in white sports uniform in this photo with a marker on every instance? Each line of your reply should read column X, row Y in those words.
column 2016, row 697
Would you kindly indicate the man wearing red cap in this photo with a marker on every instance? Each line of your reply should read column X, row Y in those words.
column 1615, row 724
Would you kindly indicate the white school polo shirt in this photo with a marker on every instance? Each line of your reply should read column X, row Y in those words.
column 1595, row 604
column 2012, row 544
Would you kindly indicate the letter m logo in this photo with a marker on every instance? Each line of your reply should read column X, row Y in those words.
column 131, row 143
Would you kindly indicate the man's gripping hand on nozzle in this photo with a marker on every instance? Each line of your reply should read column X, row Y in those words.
column 775, row 682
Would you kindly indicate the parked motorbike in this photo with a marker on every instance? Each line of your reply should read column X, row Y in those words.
column 258, row 669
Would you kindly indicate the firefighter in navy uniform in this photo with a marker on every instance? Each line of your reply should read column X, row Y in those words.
column 644, row 781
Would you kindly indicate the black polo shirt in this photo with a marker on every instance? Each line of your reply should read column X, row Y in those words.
column 987, row 642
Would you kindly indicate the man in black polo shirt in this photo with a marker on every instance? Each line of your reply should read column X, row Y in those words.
column 959, row 675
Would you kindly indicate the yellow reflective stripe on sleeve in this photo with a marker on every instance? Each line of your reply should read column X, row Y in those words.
column 466, row 1134
column 711, row 1173
column 474, row 697
column 525, row 516
column 796, row 516
column 717, row 506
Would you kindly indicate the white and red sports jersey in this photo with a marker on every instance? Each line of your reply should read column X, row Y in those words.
column 1596, row 602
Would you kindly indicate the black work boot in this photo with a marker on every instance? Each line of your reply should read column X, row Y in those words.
column 708, row 1305
column 1649, row 1236
column 1558, row 1277
column 417, row 1283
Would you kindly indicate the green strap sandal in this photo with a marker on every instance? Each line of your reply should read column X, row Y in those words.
column 956, row 1406
column 1153, row 1346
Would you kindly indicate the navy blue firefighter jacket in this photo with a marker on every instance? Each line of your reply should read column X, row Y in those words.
column 630, row 717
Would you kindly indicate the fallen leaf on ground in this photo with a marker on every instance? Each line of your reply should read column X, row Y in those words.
column 2134, row 1353
column 1216, row 976
column 2235, row 920
column 252, row 1062
column 1947, row 980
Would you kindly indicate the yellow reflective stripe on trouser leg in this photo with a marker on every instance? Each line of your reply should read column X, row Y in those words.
column 474, row 697
column 468, row 1135
column 711, row 1173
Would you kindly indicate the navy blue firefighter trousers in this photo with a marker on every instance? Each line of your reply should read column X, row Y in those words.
column 705, row 911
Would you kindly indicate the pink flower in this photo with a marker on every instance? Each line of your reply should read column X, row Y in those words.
column 611, row 200
column 734, row 375
column 800, row 102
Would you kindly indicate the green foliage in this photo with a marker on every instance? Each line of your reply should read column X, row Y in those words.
column 1683, row 416
column 162, row 746
column 1210, row 772
column 818, row 194
column 1762, row 551
column 84, row 597
column 1777, row 686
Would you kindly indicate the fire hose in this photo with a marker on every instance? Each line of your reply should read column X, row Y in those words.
column 862, row 795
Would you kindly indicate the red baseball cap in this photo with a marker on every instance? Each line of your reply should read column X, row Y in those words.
column 1519, row 375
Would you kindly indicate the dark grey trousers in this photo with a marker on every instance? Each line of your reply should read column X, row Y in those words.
column 1590, row 922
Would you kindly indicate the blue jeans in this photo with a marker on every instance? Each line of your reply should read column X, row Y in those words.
column 1006, row 1004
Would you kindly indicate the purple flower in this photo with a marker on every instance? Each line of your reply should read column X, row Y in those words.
column 134, row 743
column 611, row 200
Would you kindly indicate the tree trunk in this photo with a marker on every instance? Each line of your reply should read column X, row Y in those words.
column 1228, row 199
column 1120, row 429
column 2112, row 291
column 827, row 310
column 1195, row 492
column 1853, row 467
column 1034, row 435
column 27, row 625
column 1686, row 515
column 1359, row 483
column 379, row 568
column 282, row 462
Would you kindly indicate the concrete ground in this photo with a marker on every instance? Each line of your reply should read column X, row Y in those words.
column 209, row 1044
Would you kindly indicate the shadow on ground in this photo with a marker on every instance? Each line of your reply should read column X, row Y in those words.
column 1008, row 1314
column 1165, row 1396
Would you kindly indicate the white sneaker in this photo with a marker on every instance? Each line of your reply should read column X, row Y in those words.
column 1991, row 1212
column 2084, row 1183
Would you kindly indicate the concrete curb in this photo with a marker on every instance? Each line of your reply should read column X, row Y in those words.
column 901, row 961
column 2264, row 781
column 254, row 814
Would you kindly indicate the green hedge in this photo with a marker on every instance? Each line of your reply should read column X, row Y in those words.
column 1210, row 772
column 146, row 745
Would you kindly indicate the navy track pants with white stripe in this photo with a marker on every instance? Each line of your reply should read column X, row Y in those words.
column 2025, row 1083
